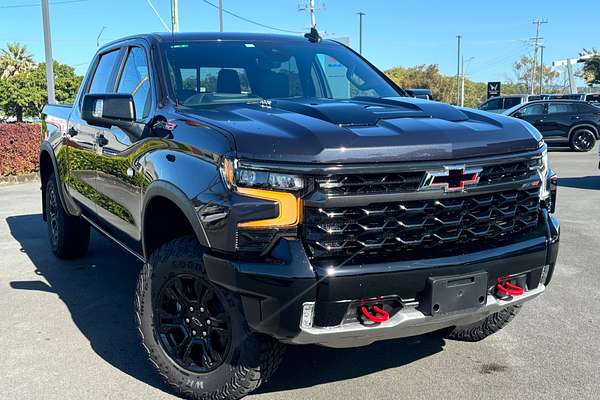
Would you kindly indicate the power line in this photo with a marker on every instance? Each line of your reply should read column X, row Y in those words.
column 39, row 4
column 162, row 21
column 249, row 20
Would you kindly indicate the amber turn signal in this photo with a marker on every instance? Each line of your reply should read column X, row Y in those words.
column 290, row 209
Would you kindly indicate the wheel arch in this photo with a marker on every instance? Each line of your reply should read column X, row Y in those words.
column 166, row 203
column 49, row 166
column 584, row 125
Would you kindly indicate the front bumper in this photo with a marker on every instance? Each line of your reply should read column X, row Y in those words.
column 295, row 302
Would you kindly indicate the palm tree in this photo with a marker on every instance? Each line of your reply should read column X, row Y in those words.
column 15, row 59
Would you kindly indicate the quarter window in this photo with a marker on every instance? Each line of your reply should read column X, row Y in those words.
column 135, row 80
column 510, row 102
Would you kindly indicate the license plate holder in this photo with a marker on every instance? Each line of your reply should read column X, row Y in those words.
column 458, row 293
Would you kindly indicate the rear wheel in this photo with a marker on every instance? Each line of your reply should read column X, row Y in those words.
column 195, row 333
column 69, row 236
column 481, row 329
column 582, row 140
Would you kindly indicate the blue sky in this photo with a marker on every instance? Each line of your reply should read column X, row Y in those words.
column 397, row 32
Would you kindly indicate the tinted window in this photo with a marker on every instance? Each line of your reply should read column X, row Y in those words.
column 103, row 71
column 135, row 80
column 556, row 108
column 239, row 71
column 511, row 102
column 494, row 104
column 534, row 109
column 593, row 97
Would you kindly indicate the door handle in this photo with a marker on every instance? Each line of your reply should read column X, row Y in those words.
column 72, row 132
column 101, row 140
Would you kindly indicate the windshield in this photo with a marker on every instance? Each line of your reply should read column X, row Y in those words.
column 214, row 72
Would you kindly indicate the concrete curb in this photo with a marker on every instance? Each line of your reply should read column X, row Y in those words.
column 16, row 179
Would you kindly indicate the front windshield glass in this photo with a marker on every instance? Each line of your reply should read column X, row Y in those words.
column 214, row 72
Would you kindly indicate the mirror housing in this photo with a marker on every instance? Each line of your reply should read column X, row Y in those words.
column 518, row 114
column 108, row 109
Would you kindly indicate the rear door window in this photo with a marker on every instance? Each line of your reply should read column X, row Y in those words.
column 561, row 108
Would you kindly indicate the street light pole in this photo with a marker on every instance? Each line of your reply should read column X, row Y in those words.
column 174, row 15
column 459, row 37
column 220, row 15
column 48, row 53
column 462, row 81
column 542, row 69
column 360, row 31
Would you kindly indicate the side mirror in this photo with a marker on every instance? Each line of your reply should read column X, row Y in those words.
column 518, row 114
column 108, row 109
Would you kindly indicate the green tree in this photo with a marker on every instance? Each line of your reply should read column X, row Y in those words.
column 523, row 73
column 25, row 94
column 591, row 67
column 15, row 59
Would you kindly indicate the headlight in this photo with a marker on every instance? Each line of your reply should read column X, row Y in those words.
column 266, row 185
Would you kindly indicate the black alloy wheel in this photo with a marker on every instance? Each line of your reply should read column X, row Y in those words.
column 52, row 215
column 193, row 327
column 583, row 140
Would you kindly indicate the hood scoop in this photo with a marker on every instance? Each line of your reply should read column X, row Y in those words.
column 349, row 113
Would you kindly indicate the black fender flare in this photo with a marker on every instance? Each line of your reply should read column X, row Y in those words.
column 582, row 126
column 68, row 206
column 172, row 193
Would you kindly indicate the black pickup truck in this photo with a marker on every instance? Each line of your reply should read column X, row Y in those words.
column 281, row 189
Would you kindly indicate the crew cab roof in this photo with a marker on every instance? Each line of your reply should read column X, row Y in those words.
column 166, row 37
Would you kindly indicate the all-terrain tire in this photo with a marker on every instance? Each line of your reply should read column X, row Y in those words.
column 582, row 140
column 484, row 328
column 69, row 236
column 252, row 358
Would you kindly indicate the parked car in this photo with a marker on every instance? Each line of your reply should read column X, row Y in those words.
column 420, row 93
column 500, row 103
column 280, row 190
column 568, row 121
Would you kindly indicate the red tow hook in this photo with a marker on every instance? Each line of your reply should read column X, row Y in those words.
column 380, row 314
column 508, row 289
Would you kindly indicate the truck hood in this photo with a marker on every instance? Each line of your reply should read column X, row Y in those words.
column 365, row 130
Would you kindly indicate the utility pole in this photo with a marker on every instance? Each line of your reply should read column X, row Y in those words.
column 459, row 37
column 313, row 19
column 360, row 18
column 538, row 22
column 462, row 81
column 174, row 15
column 220, row 15
column 48, row 53
column 542, row 69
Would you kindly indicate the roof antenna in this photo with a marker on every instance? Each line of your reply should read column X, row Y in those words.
column 313, row 36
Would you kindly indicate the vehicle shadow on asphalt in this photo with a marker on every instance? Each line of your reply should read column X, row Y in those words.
column 581, row 182
column 307, row 366
column 99, row 290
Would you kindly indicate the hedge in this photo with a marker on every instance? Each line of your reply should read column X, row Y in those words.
column 19, row 148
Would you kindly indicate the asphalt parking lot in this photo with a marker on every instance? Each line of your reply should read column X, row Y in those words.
column 67, row 332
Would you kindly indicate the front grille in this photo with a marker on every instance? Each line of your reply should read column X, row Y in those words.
column 415, row 229
column 403, row 182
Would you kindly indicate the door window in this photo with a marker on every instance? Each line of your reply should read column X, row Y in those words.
column 510, row 102
column 135, row 80
column 494, row 104
column 103, row 72
column 534, row 109
column 557, row 108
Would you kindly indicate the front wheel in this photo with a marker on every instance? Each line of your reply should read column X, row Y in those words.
column 194, row 332
column 582, row 140
column 69, row 235
column 482, row 329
